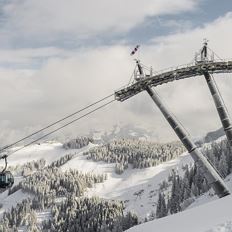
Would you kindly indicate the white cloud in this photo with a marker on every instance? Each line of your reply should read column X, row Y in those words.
column 180, row 48
column 190, row 99
column 83, row 18
column 27, row 55
column 70, row 80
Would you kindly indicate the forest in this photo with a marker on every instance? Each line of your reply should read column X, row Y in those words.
column 77, row 143
column 49, row 184
column 138, row 153
column 62, row 192
column 178, row 192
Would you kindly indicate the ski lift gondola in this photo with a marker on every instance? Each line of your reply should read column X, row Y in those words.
column 6, row 177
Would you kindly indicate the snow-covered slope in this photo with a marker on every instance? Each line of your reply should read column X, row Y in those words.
column 138, row 188
column 206, row 214
column 128, row 185
column 214, row 216
column 11, row 201
column 49, row 151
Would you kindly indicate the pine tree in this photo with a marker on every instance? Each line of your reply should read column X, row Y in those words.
column 223, row 166
column 175, row 197
column 161, row 209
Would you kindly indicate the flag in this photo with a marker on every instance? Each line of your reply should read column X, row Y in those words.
column 135, row 50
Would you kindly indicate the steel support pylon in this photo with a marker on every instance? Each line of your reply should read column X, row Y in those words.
column 205, row 167
column 221, row 108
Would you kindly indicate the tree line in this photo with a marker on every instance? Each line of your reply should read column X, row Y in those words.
column 73, row 212
column 184, row 189
column 138, row 153
column 77, row 143
column 89, row 215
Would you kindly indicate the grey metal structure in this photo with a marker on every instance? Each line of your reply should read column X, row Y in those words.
column 221, row 108
column 205, row 167
column 187, row 71
column 145, row 83
column 218, row 100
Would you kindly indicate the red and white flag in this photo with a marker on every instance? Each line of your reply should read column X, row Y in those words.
column 135, row 50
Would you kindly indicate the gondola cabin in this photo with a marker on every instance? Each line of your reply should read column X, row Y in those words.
column 6, row 179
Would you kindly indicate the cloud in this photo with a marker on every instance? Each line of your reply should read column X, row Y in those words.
column 190, row 99
column 30, row 56
column 54, row 19
column 67, row 80
column 188, row 42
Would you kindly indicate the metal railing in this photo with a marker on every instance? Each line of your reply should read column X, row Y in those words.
column 176, row 68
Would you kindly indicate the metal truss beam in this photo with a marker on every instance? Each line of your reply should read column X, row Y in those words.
column 172, row 75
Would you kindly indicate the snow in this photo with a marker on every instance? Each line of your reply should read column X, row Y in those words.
column 125, row 186
column 201, row 219
column 206, row 214
column 81, row 163
column 49, row 151
column 224, row 227
column 122, row 187
column 11, row 200
column 138, row 188
column 43, row 216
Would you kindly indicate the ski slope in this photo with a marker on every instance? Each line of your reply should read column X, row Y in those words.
column 11, row 201
column 138, row 188
column 128, row 185
column 207, row 213
column 49, row 151
column 215, row 216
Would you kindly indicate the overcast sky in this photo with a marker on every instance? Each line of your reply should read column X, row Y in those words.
column 59, row 55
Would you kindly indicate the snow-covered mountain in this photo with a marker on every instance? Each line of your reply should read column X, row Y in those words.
column 211, row 136
column 137, row 188
column 214, row 216
column 128, row 131
column 123, row 187
column 214, row 135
